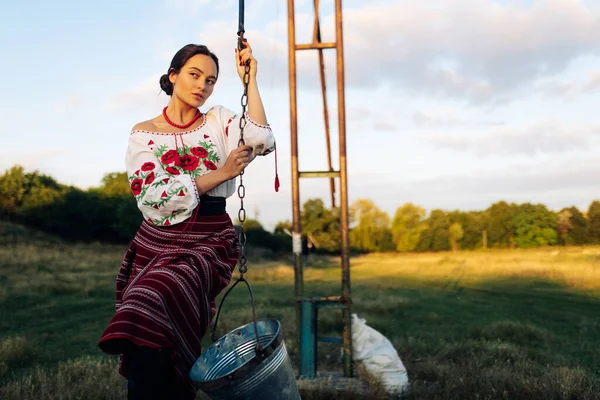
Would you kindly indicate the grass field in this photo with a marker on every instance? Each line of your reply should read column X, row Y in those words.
column 505, row 324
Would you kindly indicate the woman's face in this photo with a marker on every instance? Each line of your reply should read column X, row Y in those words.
column 195, row 81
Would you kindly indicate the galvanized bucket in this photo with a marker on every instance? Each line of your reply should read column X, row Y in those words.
column 250, row 362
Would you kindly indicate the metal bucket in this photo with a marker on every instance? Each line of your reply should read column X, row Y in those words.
column 233, row 367
column 250, row 362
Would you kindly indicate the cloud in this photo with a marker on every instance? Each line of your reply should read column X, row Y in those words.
column 146, row 95
column 360, row 118
column 441, row 121
column 521, row 179
column 594, row 82
column 70, row 103
column 480, row 50
column 559, row 89
column 385, row 126
column 568, row 89
column 546, row 137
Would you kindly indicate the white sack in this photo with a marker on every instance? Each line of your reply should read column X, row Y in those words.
column 378, row 356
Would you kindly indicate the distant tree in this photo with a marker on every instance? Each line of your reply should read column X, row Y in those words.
column 593, row 215
column 118, row 201
column 127, row 217
column 250, row 224
column 283, row 227
column 109, row 213
column 115, row 184
column 564, row 225
column 25, row 191
column 322, row 224
column 436, row 237
column 407, row 227
column 12, row 191
column 257, row 236
column 472, row 223
column 535, row 226
column 455, row 233
column 500, row 224
column 372, row 230
column 578, row 234
column 30, row 195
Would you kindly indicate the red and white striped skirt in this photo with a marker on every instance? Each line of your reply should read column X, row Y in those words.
column 167, row 285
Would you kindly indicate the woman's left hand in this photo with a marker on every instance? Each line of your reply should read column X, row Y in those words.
column 241, row 57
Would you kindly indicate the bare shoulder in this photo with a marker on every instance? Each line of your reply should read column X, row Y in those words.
column 148, row 125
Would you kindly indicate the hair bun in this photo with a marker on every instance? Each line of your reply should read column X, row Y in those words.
column 166, row 85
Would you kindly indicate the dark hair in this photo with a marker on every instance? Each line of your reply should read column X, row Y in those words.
column 179, row 60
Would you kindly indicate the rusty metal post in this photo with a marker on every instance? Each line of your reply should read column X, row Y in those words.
column 344, row 214
column 305, row 342
column 317, row 39
column 297, row 228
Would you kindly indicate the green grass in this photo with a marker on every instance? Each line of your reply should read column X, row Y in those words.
column 477, row 325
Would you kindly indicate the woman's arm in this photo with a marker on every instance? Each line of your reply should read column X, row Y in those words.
column 256, row 110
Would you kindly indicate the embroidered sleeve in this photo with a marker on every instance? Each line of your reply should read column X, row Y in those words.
column 164, row 192
column 259, row 137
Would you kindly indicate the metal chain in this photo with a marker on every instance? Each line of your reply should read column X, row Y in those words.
column 241, row 188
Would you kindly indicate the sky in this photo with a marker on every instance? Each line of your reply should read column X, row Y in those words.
column 449, row 104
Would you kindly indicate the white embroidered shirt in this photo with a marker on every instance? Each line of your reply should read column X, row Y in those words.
column 161, row 166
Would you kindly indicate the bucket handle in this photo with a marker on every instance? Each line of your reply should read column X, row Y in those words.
column 214, row 335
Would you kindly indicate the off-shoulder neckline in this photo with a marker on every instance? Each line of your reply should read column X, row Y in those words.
column 204, row 118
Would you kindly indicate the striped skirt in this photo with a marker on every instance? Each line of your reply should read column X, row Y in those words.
column 167, row 285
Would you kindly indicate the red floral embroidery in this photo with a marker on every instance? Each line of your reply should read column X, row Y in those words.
column 188, row 163
column 227, row 127
column 172, row 171
column 150, row 143
column 199, row 152
column 206, row 136
column 164, row 194
column 166, row 180
column 137, row 172
column 181, row 193
column 136, row 186
column 169, row 157
column 148, row 166
column 167, row 222
column 155, row 206
column 149, row 178
column 210, row 165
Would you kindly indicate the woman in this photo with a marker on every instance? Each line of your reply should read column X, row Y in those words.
column 181, row 166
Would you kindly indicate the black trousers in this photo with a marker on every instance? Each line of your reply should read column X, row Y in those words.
column 151, row 375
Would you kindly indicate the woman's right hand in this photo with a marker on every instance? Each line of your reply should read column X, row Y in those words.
column 238, row 159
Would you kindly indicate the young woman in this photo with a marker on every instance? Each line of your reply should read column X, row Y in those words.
column 182, row 165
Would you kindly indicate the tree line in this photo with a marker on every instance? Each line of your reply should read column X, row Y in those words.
column 502, row 225
column 108, row 213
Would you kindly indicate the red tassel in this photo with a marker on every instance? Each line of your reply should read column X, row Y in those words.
column 276, row 173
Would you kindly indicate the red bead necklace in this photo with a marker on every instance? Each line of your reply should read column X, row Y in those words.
column 181, row 126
